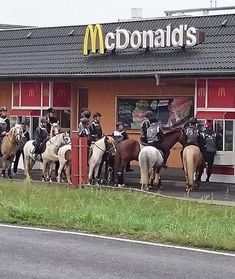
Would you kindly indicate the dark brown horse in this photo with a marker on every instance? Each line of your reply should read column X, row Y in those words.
column 128, row 150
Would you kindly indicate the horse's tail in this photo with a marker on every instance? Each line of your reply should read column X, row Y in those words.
column 189, row 167
column 144, row 167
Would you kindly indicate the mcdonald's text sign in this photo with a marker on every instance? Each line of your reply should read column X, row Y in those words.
column 95, row 40
column 31, row 94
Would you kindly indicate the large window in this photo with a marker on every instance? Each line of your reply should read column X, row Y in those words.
column 225, row 134
column 170, row 112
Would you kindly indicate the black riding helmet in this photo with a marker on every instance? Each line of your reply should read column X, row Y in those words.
column 193, row 120
column 86, row 114
column 149, row 114
column 97, row 114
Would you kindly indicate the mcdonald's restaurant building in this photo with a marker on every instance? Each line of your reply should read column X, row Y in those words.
column 175, row 66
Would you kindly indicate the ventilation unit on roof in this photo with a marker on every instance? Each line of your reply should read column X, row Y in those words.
column 136, row 13
column 205, row 11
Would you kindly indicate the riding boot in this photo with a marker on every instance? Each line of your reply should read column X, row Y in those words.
column 128, row 167
column 120, row 178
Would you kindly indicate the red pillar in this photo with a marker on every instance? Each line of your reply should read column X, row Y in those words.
column 79, row 160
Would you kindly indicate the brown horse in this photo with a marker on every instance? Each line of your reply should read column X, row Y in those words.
column 129, row 150
column 9, row 147
column 193, row 163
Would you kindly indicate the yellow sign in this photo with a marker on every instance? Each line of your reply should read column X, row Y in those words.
column 221, row 92
column 94, row 39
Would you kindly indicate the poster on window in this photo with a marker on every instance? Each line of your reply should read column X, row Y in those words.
column 171, row 112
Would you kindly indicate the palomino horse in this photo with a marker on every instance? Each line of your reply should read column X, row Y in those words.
column 49, row 155
column 129, row 150
column 9, row 148
column 150, row 159
column 106, row 144
column 64, row 155
column 193, row 162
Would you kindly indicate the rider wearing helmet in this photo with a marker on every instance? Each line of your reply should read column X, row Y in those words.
column 145, row 125
column 3, row 115
column 83, row 129
column 50, row 119
column 41, row 138
column 193, row 136
column 95, row 128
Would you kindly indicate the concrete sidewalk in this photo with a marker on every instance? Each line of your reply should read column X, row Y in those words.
column 173, row 185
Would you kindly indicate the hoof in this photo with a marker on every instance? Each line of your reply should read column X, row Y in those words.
column 121, row 185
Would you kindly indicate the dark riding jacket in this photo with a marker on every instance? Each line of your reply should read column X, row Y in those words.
column 41, row 134
column 143, row 130
column 96, row 130
column 7, row 121
column 51, row 120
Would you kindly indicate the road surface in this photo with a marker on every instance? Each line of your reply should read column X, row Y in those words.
column 49, row 254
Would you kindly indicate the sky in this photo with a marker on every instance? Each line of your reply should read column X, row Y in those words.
column 78, row 12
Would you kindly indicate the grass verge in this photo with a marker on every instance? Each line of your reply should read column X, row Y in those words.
column 121, row 213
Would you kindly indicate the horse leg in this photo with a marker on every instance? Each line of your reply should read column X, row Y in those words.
column 157, row 179
column 61, row 166
column 10, row 160
column 67, row 172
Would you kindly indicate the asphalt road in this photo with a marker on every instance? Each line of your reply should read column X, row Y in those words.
column 49, row 254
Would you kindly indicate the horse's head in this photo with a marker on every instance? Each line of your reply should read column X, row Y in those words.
column 55, row 129
column 17, row 132
column 66, row 138
column 110, row 145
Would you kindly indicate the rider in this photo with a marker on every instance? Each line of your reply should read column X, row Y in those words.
column 145, row 125
column 120, row 135
column 50, row 119
column 41, row 138
column 3, row 115
column 95, row 127
column 83, row 129
column 155, row 137
column 193, row 136
column 210, row 138
column 26, row 138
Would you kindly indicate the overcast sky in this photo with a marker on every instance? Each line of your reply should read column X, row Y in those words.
column 76, row 12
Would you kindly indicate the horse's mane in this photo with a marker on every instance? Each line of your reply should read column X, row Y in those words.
column 173, row 131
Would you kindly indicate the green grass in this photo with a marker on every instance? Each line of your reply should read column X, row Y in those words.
column 121, row 213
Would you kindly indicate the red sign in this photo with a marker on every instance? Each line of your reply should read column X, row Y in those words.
column 62, row 94
column 201, row 93
column 31, row 94
column 45, row 99
column 221, row 93
column 16, row 94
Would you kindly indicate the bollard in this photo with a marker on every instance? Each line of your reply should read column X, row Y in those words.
column 79, row 161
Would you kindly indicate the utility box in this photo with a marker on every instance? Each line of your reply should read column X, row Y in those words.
column 79, row 160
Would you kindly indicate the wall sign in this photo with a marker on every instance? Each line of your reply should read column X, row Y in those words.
column 96, row 40
column 170, row 112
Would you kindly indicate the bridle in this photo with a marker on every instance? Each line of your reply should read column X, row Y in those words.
column 18, row 134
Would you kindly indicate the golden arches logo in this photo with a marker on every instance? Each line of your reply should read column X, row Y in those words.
column 201, row 92
column 31, row 93
column 221, row 92
column 61, row 93
column 93, row 39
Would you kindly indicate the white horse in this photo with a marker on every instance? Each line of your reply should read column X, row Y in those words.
column 150, row 159
column 48, row 156
column 106, row 144
column 64, row 155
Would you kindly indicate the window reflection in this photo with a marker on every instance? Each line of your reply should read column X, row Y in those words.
column 228, row 135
